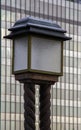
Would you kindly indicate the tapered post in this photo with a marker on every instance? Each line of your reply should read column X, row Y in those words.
column 45, row 107
column 29, row 106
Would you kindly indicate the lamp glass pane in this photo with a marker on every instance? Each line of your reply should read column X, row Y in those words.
column 46, row 55
column 20, row 54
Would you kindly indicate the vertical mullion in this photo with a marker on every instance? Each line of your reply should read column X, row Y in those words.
column 52, row 10
column 39, row 8
column 52, row 114
column 0, row 67
column 20, row 108
column 76, row 74
column 10, row 84
column 57, row 6
column 15, row 81
column 73, row 62
column 10, row 69
column 30, row 8
column 65, row 77
column 43, row 9
column 69, row 69
column 61, row 78
column 5, row 61
column 52, row 107
column 48, row 9
column 34, row 7
column 25, row 7
column 56, row 84
column 20, row 84
column 57, row 11
column 20, row 10
column 77, row 63
column 78, row 60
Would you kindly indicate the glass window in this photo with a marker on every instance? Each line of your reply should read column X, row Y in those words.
column 12, row 125
column 2, row 125
column 67, row 127
column 71, row 111
column 67, row 110
column 54, row 126
column 2, row 106
column 17, row 90
column 3, row 70
column 54, row 110
column 8, row 107
column 79, row 112
column 17, row 125
column 58, row 126
column 79, row 127
column 7, row 125
column 12, row 107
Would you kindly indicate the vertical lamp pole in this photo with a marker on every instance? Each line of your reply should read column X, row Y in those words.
column 37, row 59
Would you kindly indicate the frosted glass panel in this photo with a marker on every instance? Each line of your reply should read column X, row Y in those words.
column 20, row 54
column 46, row 55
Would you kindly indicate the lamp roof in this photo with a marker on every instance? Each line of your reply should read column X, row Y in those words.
column 37, row 26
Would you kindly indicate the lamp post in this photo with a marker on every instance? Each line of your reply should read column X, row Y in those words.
column 37, row 59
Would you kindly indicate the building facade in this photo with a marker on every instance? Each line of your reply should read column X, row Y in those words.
column 66, row 94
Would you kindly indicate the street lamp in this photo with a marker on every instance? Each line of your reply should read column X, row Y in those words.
column 37, row 59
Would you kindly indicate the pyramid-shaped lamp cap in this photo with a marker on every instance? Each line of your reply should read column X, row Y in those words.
column 37, row 26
